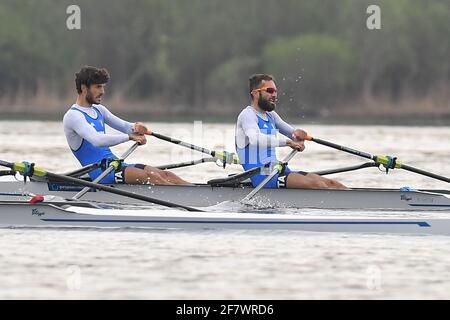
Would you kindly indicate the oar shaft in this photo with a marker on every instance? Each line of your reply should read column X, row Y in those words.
column 235, row 179
column 341, row 148
column 119, row 192
column 83, row 170
column 425, row 173
column 384, row 160
column 181, row 143
column 7, row 173
column 6, row 164
column 185, row 164
column 224, row 156
column 346, row 169
column 43, row 173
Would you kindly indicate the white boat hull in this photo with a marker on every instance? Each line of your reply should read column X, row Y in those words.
column 20, row 214
column 204, row 195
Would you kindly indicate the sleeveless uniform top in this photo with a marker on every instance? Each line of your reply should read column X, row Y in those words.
column 255, row 156
column 87, row 153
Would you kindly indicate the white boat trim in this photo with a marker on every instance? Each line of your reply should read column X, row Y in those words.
column 20, row 214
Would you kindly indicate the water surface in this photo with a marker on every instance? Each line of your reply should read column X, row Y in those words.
column 217, row 264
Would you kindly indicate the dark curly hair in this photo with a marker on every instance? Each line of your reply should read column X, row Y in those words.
column 256, row 79
column 90, row 75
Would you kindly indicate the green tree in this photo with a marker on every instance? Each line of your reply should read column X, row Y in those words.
column 312, row 70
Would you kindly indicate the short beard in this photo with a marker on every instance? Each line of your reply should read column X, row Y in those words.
column 90, row 98
column 266, row 105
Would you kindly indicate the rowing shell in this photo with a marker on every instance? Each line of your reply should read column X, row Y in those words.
column 204, row 195
column 21, row 214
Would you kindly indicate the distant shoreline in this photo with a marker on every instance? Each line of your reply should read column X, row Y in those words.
column 389, row 120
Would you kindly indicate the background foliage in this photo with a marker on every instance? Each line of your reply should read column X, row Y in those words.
column 195, row 56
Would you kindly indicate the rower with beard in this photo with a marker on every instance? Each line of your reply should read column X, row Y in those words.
column 256, row 140
column 84, row 127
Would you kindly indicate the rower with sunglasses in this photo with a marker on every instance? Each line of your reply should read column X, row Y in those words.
column 256, row 140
